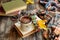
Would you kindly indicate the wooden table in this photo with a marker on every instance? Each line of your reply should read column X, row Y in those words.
column 7, row 32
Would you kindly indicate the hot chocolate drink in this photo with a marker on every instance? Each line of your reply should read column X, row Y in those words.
column 26, row 24
column 25, row 19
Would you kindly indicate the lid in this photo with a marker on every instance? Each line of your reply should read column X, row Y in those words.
column 12, row 6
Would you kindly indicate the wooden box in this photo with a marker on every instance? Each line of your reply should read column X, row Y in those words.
column 24, row 34
column 11, row 14
column 12, row 6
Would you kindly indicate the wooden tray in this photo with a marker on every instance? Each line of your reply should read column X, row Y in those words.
column 25, row 35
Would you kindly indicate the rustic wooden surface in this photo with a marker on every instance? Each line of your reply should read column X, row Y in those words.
column 8, row 32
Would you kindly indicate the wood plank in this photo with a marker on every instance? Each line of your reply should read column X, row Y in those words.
column 2, row 29
column 2, row 26
column 39, row 35
column 31, row 37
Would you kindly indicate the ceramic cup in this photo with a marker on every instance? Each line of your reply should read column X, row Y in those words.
column 26, row 23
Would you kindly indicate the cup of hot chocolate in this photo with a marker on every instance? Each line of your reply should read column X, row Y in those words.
column 26, row 23
column 25, row 19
